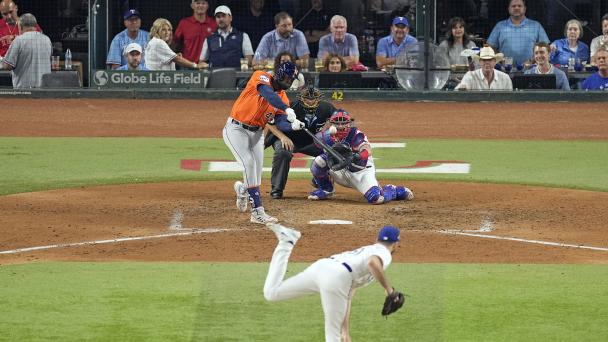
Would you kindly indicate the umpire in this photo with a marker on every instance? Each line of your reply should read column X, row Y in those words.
column 314, row 113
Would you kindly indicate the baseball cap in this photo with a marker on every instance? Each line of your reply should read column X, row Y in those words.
column 222, row 9
column 401, row 21
column 133, row 47
column 131, row 13
column 388, row 234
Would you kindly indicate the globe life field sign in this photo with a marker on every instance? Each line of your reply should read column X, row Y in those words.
column 182, row 79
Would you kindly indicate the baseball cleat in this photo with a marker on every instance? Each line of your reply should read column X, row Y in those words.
column 409, row 194
column 320, row 194
column 258, row 215
column 241, row 196
column 284, row 234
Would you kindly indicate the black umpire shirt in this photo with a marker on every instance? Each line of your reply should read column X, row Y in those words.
column 313, row 123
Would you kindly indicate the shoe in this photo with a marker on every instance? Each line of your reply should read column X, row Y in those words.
column 258, row 215
column 284, row 234
column 409, row 194
column 320, row 194
column 276, row 194
column 241, row 196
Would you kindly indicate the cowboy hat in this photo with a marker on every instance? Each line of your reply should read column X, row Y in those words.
column 487, row 52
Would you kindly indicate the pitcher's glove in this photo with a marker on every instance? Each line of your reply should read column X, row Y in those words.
column 392, row 303
column 347, row 154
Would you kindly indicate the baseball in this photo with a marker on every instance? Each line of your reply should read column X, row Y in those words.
column 332, row 130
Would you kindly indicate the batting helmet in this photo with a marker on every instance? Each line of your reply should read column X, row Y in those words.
column 286, row 69
column 310, row 97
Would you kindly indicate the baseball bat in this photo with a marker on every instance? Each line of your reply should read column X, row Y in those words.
column 326, row 147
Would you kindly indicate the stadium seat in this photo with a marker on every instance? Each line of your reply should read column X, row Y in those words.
column 222, row 78
column 61, row 79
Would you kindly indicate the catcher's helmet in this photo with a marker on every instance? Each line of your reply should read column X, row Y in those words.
column 286, row 69
column 310, row 97
column 341, row 119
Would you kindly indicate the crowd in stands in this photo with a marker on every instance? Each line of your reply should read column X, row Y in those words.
column 202, row 41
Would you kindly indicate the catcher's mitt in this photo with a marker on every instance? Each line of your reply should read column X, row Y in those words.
column 392, row 303
column 344, row 151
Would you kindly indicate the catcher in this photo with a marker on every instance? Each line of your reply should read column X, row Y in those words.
column 334, row 278
column 314, row 113
column 356, row 170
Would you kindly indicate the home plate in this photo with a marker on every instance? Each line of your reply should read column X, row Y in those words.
column 330, row 222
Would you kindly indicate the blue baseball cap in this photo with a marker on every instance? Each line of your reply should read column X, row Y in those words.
column 131, row 13
column 388, row 234
column 401, row 21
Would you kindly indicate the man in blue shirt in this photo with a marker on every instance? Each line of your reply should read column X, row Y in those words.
column 599, row 80
column 283, row 38
column 132, row 34
column 133, row 53
column 390, row 46
column 515, row 37
column 340, row 42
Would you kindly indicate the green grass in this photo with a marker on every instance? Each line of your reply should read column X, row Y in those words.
column 224, row 302
column 32, row 164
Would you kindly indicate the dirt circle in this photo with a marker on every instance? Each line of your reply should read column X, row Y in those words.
column 446, row 222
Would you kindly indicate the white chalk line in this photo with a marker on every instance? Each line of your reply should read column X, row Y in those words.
column 174, row 225
column 100, row 242
column 487, row 226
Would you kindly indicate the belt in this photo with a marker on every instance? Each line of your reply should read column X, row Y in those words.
column 247, row 127
column 347, row 266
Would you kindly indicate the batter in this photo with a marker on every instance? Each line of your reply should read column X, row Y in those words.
column 262, row 99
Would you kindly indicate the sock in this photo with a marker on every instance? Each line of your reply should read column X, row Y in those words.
column 254, row 197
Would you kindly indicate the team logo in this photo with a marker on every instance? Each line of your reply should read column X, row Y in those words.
column 270, row 118
column 264, row 78
column 101, row 78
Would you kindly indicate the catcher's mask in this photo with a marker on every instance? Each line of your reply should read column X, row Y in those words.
column 285, row 74
column 310, row 97
column 342, row 120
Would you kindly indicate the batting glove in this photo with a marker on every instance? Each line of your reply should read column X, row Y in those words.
column 297, row 125
column 291, row 115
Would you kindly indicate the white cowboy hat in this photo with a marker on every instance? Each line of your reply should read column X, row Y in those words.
column 487, row 52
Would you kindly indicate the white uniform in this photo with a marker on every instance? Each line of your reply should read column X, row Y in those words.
column 361, row 180
column 333, row 278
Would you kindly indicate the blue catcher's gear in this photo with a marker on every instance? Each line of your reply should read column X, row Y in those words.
column 374, row 195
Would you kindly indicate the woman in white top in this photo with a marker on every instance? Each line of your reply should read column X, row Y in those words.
column 457, row 40
column 159, row 55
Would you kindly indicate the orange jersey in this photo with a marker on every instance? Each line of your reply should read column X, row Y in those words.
column 251, row 108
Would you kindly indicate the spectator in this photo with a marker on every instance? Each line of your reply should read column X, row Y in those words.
column 133, row 53
column 599, row 80
column 283, row 57
column 29, row 56
column 256, row 21
column 543, row 67
column 315, row 24
column 132, row 34
column 192, row 31
column 390, row 46
column 486, row 77
column 340, row 42
column 283, row 38
column 571, row 46
column 226, row 46
column 334, row 63
column 9, row 29
column 457, row 40
column 601, row 40
column 159, row 55
column 515, row 37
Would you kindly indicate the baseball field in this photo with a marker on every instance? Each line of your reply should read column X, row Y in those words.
column 118, row 224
